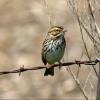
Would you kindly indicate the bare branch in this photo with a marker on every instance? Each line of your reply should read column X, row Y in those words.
column 81, row 25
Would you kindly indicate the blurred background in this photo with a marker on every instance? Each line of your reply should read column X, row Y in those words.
column 23, row 26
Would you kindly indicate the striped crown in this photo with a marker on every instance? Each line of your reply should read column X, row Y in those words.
column 56, row 31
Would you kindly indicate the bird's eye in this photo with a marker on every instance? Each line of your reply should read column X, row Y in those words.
column 57, row 31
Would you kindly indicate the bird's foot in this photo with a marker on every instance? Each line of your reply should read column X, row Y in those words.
column 49, row 65
column 60, row 65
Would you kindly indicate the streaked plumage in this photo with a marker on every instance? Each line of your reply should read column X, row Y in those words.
column 53, row 48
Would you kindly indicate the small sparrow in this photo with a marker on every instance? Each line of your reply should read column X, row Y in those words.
column 53, row 48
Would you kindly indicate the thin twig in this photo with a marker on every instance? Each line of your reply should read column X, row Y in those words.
column 97, row 31
column 78, row 83
column 48, row 12
column 81, row 25
column 87, row 79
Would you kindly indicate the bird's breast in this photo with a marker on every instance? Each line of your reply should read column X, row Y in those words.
column 55, row 51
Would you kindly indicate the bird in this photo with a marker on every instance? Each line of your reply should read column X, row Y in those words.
column 53, row 48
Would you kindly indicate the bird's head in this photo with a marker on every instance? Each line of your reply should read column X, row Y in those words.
column 56, row 32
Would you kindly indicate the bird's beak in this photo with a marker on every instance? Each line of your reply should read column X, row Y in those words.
column 64, row 31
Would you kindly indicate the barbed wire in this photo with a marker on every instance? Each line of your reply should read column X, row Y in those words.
column 23, row 69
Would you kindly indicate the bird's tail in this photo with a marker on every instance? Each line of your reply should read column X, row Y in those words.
column 49, row 71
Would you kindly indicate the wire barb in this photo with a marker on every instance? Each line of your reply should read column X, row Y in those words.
column 21, row 70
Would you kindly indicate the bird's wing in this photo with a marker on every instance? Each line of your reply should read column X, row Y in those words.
column 44, row 59
column 44, row 54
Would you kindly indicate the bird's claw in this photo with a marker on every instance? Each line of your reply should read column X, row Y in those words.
column 60, row 65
